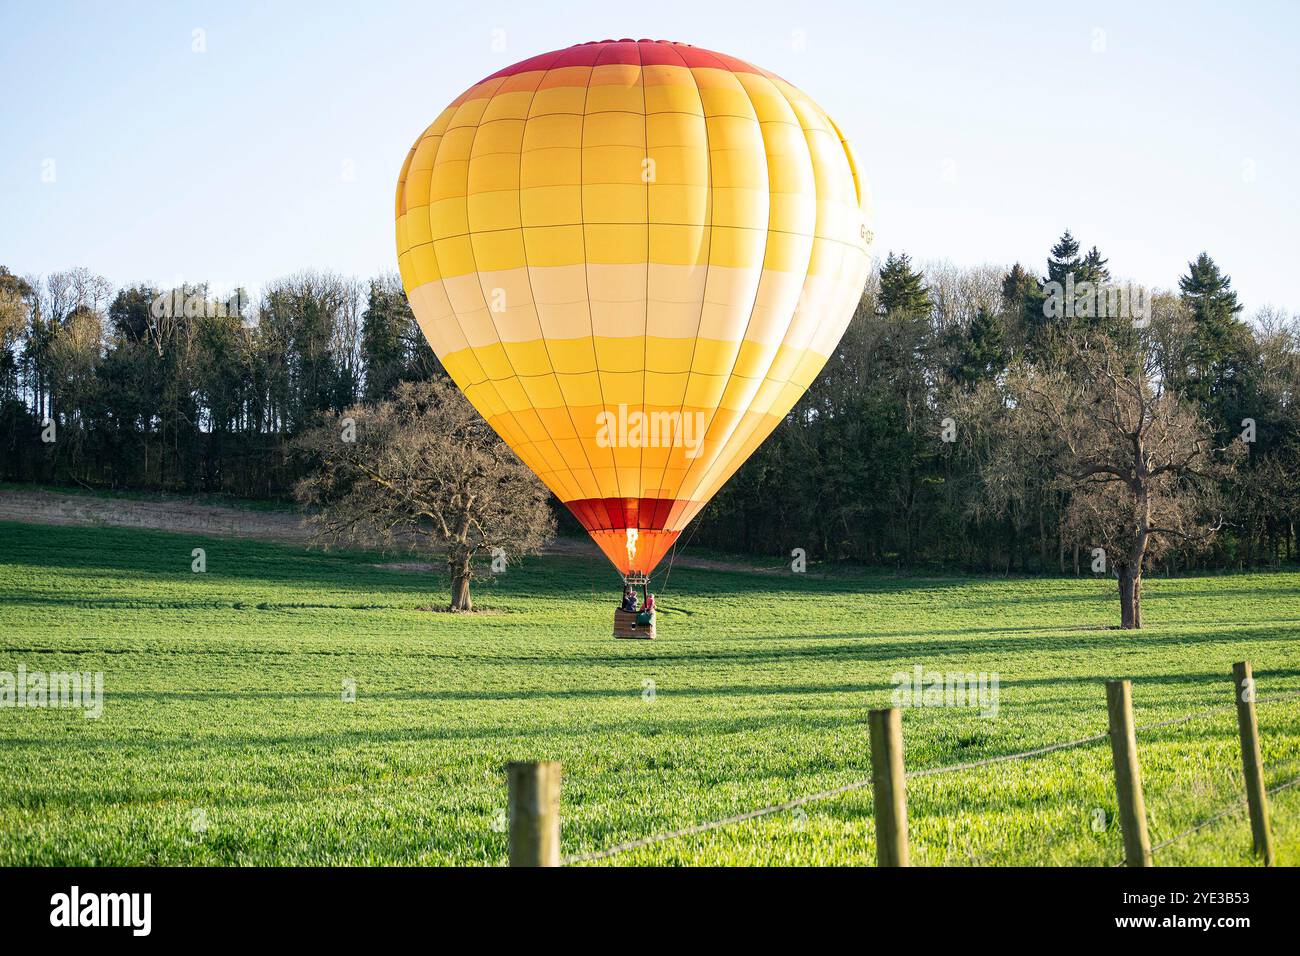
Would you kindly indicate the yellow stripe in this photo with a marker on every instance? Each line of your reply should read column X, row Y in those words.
column 745, row 166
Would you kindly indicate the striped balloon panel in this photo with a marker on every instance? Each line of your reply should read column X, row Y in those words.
column 633, row 257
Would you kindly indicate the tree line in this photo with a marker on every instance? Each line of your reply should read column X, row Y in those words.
column 186, row 390
column 952, row 427
column 980, row 418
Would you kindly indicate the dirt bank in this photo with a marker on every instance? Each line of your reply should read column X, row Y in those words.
column 181, row 515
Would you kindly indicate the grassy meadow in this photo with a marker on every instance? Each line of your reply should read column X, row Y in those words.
column 225, row 738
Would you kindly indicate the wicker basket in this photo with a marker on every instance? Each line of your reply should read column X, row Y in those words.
column 625, row 626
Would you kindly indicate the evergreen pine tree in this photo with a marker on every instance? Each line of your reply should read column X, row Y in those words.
column 383, row 345
column 1063, row 259
column 1219, row 351
column 1067, row 270
column 1017, row 285
column 1022, row 299
column 902, row 289
column 1214, row 306
column 981, row 353
column 1093, row 268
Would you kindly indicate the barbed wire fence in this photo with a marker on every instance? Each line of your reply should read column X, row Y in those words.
column 1231, row 810
column 830, row 793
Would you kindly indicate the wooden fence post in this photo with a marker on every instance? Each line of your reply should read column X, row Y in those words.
column 534, row 813
column 1128, row 776
column 889, row 787
column 1252, row 761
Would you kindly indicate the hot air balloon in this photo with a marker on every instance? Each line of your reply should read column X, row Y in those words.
column 633, row 257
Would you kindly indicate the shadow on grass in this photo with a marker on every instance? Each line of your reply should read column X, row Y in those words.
column 165, row 554
column 899, row 647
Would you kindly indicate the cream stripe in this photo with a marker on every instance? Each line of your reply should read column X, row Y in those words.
column 560, row 311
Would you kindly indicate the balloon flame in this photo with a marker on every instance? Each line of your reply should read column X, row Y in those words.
column 631, row 544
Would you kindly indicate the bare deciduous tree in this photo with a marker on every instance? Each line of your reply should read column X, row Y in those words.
column 1136, row 464
column 423, row 471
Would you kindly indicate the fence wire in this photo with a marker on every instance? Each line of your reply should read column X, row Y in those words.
column 797, row 802
column 812, row 798
column 1217, row 709
column 1228, row 811
column 715, row 824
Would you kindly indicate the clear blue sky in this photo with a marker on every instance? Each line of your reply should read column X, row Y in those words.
column 983, row 132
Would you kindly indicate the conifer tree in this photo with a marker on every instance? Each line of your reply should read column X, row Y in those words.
column 902, row 289
column 1093, row 268
column 1063, row 259
column 1219, row 358
column 981, row 354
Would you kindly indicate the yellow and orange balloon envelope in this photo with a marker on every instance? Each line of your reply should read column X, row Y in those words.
column 633, row 257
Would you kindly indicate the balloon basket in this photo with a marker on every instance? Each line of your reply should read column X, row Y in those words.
column 626, row 627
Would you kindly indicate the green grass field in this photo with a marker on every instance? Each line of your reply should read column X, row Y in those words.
column 223, row 703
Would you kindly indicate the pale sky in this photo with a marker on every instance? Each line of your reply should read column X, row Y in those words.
column 271, row 140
